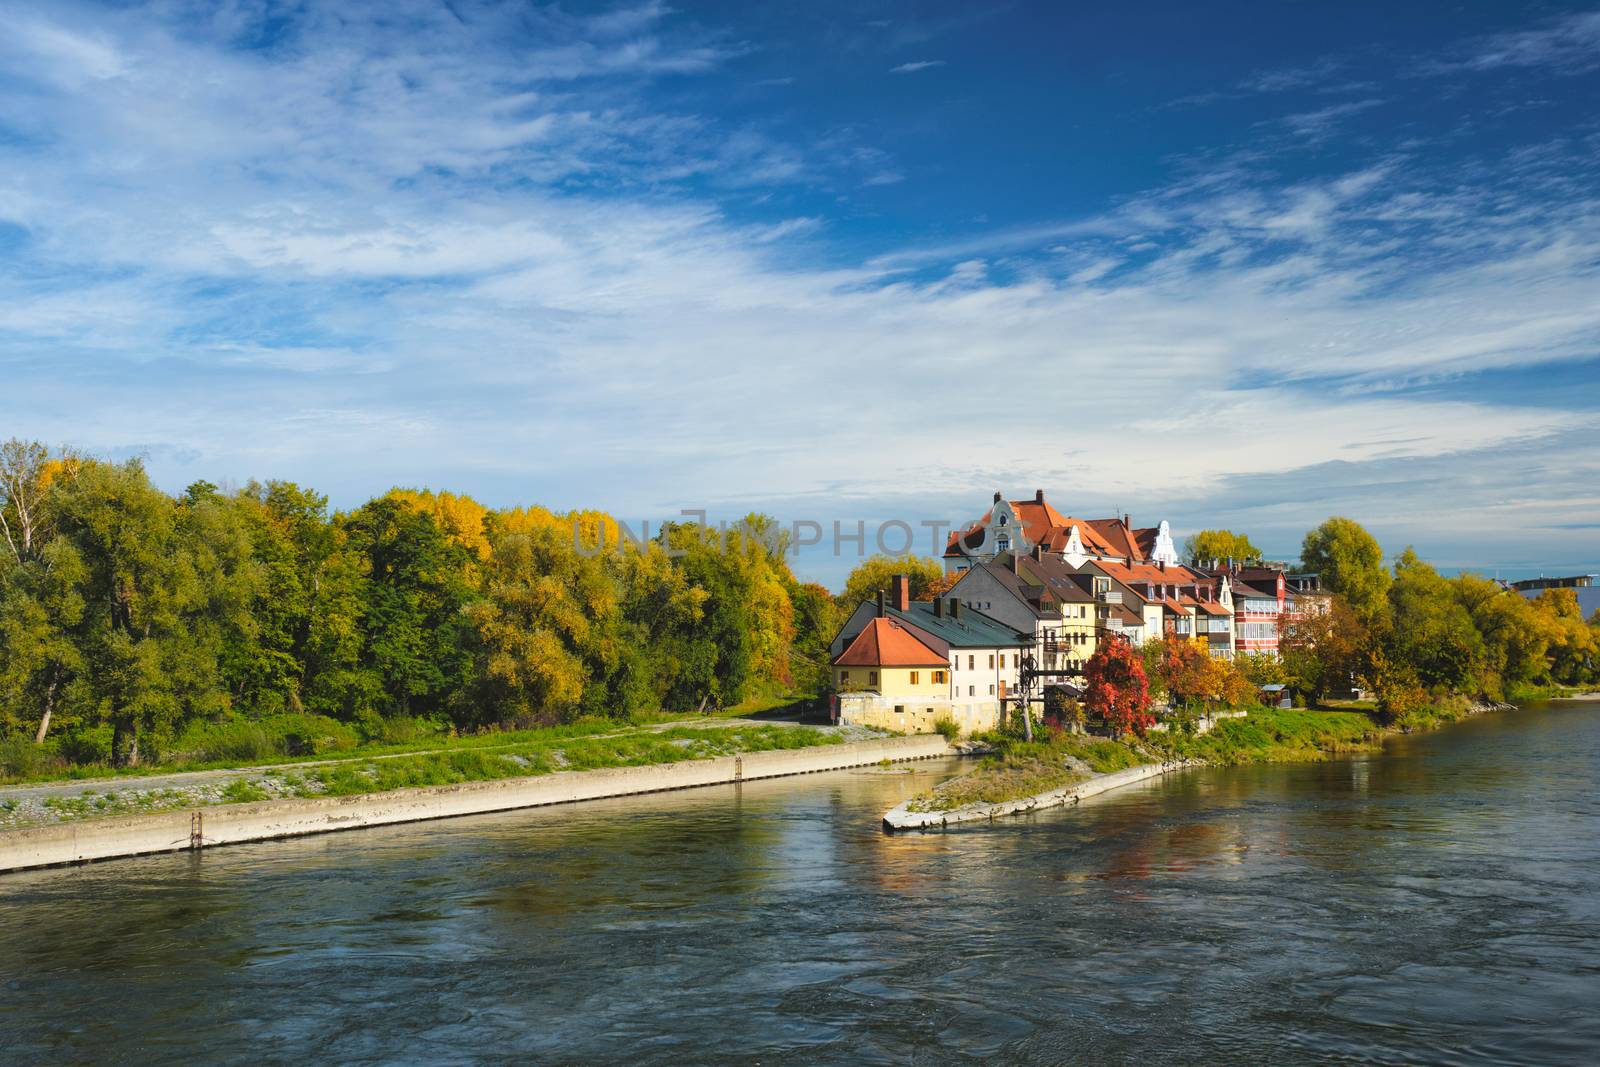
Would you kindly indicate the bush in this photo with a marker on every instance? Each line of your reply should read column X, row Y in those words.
column 946, row 727
column 21, row 758
column 247, row 741
column 82, row 747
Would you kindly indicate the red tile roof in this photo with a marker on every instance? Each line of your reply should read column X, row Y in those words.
column 886, row 643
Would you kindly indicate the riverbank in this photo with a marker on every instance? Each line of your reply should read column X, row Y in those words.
column 1024, row 776
column 205, row 827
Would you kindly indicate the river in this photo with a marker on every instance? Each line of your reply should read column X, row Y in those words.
column 1440, row 902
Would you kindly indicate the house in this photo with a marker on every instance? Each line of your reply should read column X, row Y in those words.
column 1024, row 525
column 1060, row 615
column 983, row 657
column 1180, row 603
column 909, row 675
column 1261, row 602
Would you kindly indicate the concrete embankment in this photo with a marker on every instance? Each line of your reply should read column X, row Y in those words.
column 903, row 818
column 226, row 824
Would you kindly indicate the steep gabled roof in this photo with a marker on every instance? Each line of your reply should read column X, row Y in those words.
column 887, row 643
column 1115, row 533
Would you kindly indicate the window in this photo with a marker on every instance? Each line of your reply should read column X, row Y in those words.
column 1002, row 520
column 916, row 676
column 844, row 677
column 1016, row 660
column 972, row 690
column 972, row 662
column 991, row 659
column 872, row 677
column 991, row 690
column 1003, row 544
column 899, row 709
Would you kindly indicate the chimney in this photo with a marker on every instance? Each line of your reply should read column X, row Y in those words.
column 1013, row 563
column 997, row 496
column 880, row 604
column 902, row 592
column 1038, row 496
column 1127, row 520
column 1163, row 565
column 938, row 607
column 955, row 607
column 1038, row 552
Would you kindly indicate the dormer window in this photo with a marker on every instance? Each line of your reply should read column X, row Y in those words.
column 1002, row 520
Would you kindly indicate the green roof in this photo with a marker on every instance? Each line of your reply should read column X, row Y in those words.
column 973, row 629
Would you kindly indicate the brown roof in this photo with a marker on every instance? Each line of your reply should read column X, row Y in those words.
column 887, row 643
column 1115, row 533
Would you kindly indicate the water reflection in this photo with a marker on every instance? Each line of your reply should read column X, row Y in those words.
column 1436, row 903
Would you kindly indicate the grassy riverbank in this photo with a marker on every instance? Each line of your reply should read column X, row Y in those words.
column 347, row 777
column 1019, row 769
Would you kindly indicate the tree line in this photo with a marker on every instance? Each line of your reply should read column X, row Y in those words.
column 129, row 616
column 1411, row 636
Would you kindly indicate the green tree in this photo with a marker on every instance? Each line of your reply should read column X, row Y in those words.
column 539, row 630
column 412, row 619
column 1219, row 545
column 878, row 572
column 160, row 586
column 1350, row 562
column 40, row 598
column 1432, row 632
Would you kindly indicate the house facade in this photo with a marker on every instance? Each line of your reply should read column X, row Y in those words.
column 982, row 657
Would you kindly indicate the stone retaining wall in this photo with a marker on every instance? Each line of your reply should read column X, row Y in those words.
column 902, row 818
column 93, row 839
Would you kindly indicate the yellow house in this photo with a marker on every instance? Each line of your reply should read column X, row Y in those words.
column 910, row 679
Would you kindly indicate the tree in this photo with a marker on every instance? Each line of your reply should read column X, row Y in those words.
column 1116, row 686
column 40, row 599
column 877, row 572
column 1323, row 651
column 1432, row 632
column 1189, row 673
column 816, row 621
column 1574, row 648
column 1219, row 545
column 539, row 630
column 413, row 618
column 1350, row 563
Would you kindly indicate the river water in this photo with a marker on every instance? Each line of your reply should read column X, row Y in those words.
column 1440, row 902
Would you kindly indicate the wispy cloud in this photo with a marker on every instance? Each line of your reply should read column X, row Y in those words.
column 1320, row 124
column 1565, row 45
column 411, row 246
column 912, row 68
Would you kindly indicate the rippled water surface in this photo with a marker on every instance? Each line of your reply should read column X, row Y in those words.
column 1438, row 903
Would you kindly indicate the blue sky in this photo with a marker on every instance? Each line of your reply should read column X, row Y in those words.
column 1223, row 264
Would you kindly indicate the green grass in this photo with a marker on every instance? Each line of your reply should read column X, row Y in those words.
column 44, row 771
column 1020, row 769
column 1274, row 735
column 547, row 756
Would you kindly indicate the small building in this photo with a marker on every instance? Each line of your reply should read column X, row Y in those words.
column 983, row 657
column 907, row 675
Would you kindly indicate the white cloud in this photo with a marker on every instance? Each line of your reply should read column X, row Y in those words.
column 358, row 266
column 913, row 67
column 1566, row 45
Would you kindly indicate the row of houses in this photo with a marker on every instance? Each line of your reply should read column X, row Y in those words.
column 1038, row 591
